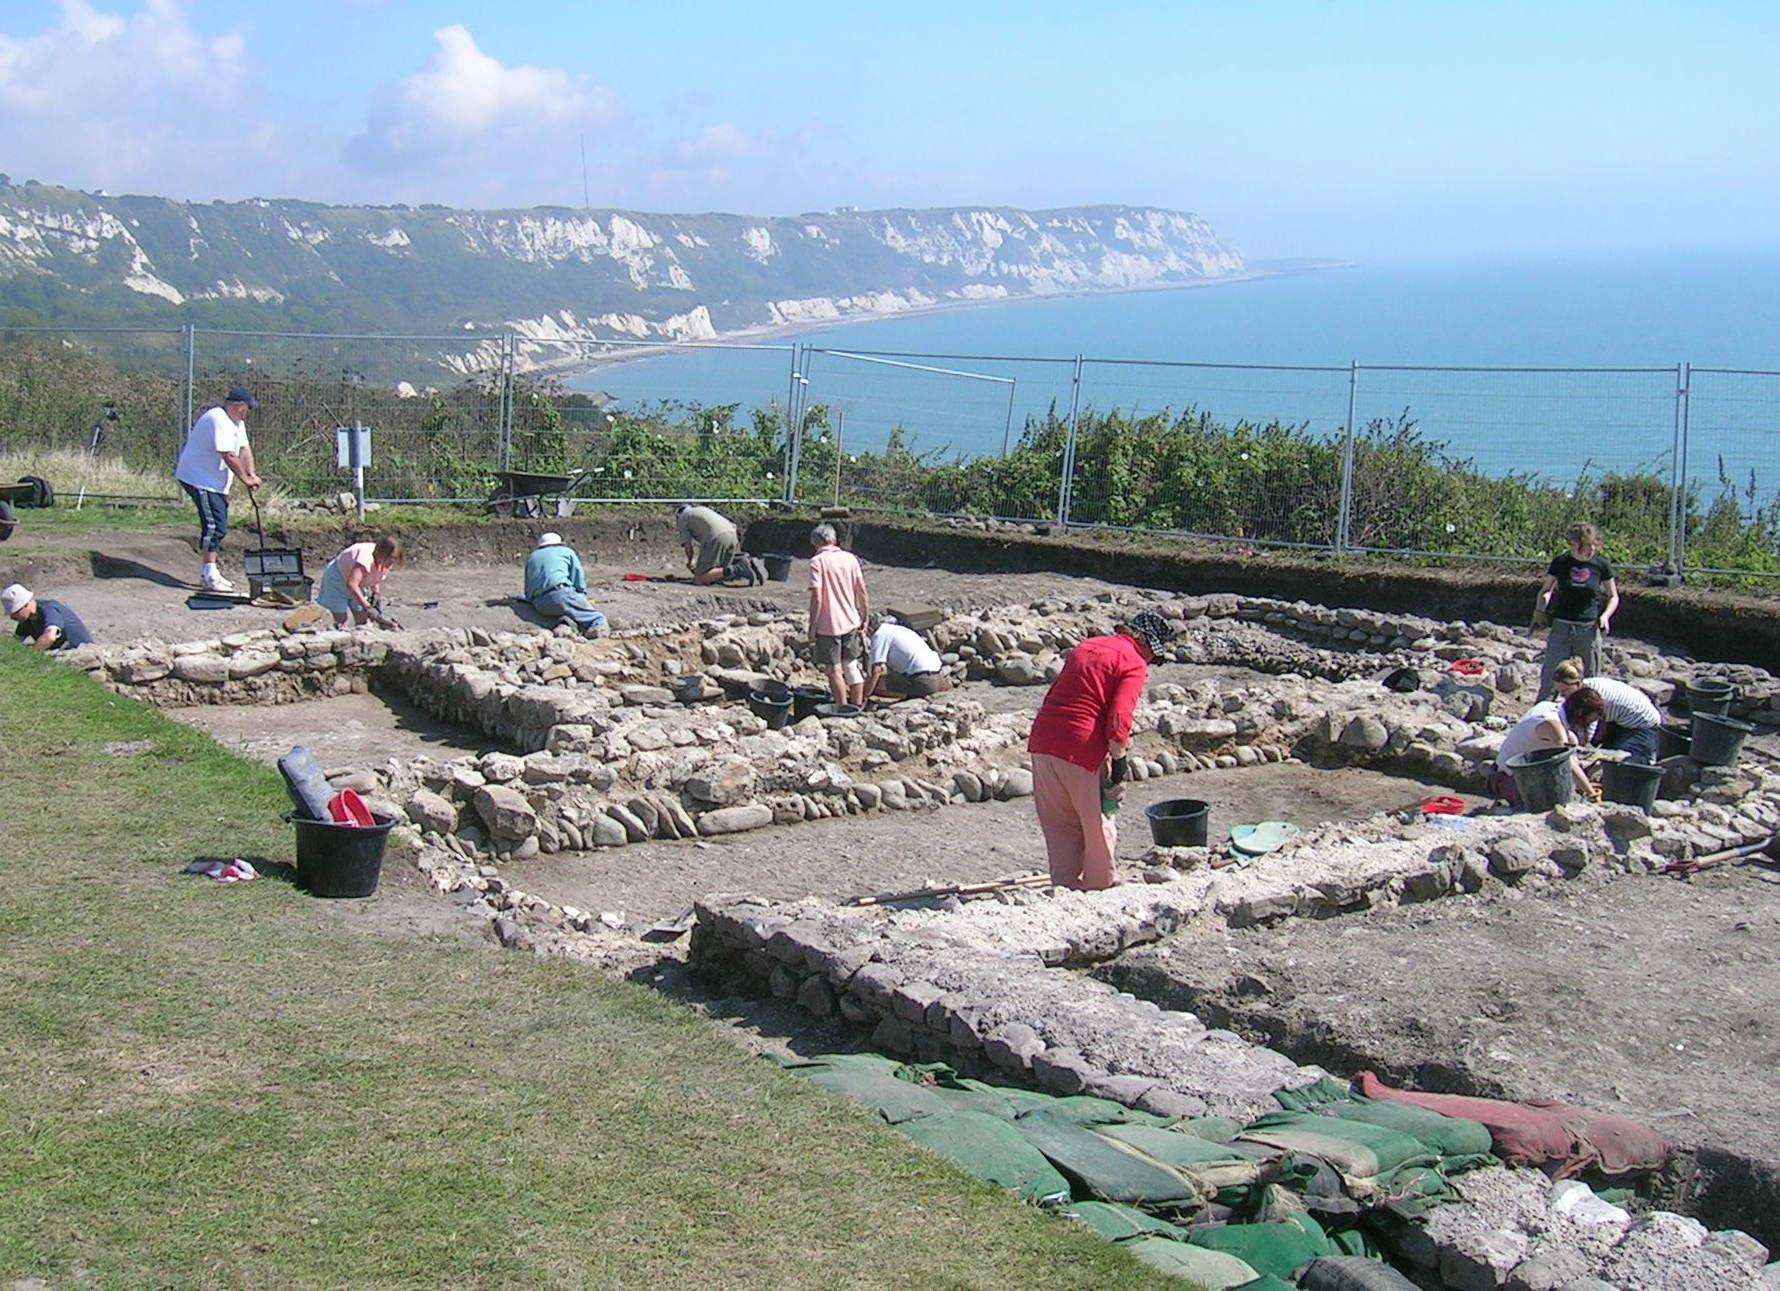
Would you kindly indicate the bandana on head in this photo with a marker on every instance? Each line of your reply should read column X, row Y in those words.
column 1152, row 629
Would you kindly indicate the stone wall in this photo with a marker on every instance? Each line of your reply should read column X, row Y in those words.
column 265, row 666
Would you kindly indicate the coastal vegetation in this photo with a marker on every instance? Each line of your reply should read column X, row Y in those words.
column 1262, row 483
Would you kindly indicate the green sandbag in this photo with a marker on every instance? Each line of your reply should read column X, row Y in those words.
column 1280, row 1249
column 873, row 1062
column 895, row 1100
column 1315, row 1097
column 1273, row 1204
column 1212, row 1166
column 1085, row 1109
column 990, row 1149
column 1118, row 1223
column 962, row 1094
column 1354, row 1242
column 1460, row 1144
column 1213, row 1270
column 1214, row 1129
column 1368, row 1156
column 1351, row 1273
column 986, row 1097
column 1107, row 1170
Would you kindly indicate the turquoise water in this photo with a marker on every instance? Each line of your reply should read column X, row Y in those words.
column 1648, row 311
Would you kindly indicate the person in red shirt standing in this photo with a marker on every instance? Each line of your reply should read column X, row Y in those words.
column 1078, row 745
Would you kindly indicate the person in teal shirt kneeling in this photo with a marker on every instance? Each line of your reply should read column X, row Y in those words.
column 556, row 586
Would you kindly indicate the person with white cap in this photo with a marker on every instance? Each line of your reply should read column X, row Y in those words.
column 556, row 585
column 43, row 625
column 216, row 454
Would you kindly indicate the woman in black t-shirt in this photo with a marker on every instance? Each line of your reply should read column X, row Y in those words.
column 1579, row 596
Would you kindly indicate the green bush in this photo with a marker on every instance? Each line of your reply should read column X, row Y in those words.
column 1268, row 483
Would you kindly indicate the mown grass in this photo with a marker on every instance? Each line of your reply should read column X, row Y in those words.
column 226, row 1086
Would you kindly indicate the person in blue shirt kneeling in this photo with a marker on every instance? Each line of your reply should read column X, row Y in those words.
column 43, row 625
column 556, row 586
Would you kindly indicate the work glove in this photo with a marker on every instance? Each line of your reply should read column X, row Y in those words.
column 1594, row 793
column 1541, row 620
column 1112, row 792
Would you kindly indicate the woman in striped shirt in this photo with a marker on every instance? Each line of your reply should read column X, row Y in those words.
column 1623, row 719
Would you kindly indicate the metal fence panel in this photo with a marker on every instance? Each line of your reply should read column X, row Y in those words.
column 654, row 421
column 1250, row 453
column 1679, row 464
column 932, row 434
column 1730, row 512
column 1498, row 462
column 432, row 403
column 59, row 387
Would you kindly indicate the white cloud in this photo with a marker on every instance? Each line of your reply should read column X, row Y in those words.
column 714, row 145
column 139, row 99
column 463, row 101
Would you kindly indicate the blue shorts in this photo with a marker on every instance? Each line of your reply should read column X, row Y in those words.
column 332, row 594
column 213, row 516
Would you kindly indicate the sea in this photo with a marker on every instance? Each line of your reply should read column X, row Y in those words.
column 1560, row 367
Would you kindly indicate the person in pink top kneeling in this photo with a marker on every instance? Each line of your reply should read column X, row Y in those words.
column 1078, row 747
column 838, row 608
column 349, row 584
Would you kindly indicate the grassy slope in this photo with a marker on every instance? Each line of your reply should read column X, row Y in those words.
column 209, row 1085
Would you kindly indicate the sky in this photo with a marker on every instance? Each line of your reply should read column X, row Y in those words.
column 1366, row 130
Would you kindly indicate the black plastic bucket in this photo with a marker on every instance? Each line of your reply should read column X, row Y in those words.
column 1179, row 822
column 1673, row 739
column 735, row 687
column 1709, row 696
column 1717, row 740
column 1543, row 778
column 805, row 699
column 1632, row 783
column 778, row 566
column 770, row 707
column 340, row 860
column 828, row 711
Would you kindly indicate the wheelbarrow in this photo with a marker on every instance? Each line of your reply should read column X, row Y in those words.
column 529, row 493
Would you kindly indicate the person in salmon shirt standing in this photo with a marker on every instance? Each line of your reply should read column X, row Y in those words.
column 1079, row 743
column 838, row 608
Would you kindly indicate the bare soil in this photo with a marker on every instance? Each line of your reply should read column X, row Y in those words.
column 351, row 731
column 890, row 851
column 138, row 588
column 1651, row 997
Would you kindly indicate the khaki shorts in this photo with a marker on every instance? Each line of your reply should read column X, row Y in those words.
column 832, row 651
column 715, row 554
column 921, row 683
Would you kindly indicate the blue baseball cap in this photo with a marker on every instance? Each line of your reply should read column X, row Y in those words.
column 239, row 395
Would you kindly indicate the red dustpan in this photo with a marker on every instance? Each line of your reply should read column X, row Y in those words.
column 347, row 808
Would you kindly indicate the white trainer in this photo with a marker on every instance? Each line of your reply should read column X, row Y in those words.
column 214, row 581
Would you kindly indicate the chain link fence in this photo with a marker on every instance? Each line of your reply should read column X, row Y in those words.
column 434, row 404
column 1249, row 453
column 931, row 434
column 1728, row 520
column 731, row 448
column 1498, row 462
column 94, row 409
column 1679, row 467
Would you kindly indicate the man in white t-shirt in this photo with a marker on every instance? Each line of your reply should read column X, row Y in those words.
column 216, row 454
column 902, row 664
